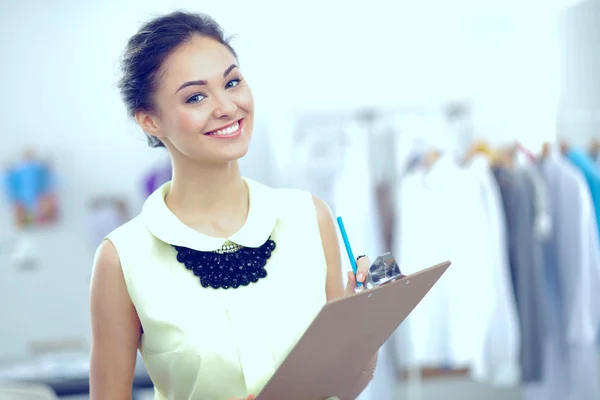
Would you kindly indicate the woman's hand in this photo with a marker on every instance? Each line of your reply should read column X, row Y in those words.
column 251, row 397
column 363, row 264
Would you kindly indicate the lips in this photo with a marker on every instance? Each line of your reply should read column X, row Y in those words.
column 228, row 131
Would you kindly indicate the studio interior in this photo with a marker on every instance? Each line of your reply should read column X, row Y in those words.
column 440, row 130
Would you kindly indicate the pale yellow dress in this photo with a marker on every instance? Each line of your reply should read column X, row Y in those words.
column 213, row 344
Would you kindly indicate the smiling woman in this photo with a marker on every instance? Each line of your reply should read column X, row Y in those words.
column 207, row 281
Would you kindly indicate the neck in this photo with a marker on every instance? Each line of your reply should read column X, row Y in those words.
column 203, row 194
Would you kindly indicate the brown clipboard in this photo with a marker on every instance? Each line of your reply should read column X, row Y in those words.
column 345, row 335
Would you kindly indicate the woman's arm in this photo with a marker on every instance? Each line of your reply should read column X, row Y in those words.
column 116, row 329
column 334, row 285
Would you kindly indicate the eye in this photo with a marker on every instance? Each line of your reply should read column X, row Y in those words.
column 232, row 83
column 197, row 98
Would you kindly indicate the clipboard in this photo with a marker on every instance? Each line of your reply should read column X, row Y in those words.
column 345, row 335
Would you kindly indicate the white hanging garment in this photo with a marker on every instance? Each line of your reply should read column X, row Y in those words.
column 503, row 344
column 543, row 220
column 444, row 214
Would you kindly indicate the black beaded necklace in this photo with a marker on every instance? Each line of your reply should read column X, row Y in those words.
column 231, row 266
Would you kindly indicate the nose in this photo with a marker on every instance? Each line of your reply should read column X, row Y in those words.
column 225, row 107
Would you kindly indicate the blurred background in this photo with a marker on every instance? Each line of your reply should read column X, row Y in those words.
column 463, row 130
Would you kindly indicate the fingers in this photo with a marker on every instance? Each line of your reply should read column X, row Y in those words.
column 351, row 285
column 362, row 264
column 351, row 279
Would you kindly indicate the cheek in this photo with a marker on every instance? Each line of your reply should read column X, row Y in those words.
column 245, row 99
column 190, row 122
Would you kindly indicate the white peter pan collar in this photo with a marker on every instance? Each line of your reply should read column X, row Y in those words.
column 257, row 229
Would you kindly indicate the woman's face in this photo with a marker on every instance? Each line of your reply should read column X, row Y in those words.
column 204, row 108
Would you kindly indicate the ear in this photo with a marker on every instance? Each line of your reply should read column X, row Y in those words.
column 149, row 123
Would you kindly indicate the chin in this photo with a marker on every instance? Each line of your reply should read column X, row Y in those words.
column 232, row 152
column 235, row 155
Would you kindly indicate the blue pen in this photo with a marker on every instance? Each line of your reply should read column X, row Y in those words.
column 348, row 248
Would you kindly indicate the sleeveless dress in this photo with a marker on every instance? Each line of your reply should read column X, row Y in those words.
column 213, row 344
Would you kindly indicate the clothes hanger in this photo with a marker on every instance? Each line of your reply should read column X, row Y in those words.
column 430, row 158
column 503, row 157
column 545, row 152
column 520, row 155
column 594, row 148
column 525, row 151
column 481, row 147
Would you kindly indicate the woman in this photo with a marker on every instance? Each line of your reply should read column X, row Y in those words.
column 219, row 276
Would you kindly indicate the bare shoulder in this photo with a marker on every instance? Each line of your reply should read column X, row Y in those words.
column 108, row 287
column 107, row 263
column 116, row 328
column 107, row 273
column 331, row 248
column 326, row 223
column 324, row 213
column 106, row 258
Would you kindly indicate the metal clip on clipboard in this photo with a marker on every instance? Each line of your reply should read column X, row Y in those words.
column 383, row 270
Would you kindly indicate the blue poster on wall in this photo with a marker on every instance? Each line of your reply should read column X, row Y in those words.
column 30, row 187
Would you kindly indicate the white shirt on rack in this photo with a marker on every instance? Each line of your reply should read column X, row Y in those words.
column 447, row 213
column 504, row 342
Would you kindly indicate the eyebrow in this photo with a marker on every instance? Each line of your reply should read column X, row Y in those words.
column 203, row 82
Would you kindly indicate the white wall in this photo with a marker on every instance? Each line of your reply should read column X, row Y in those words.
column 579, row 118
column 58, row 70
column 517, row 93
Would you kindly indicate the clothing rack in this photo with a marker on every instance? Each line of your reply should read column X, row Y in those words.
column 383, row 146
column 384, row 136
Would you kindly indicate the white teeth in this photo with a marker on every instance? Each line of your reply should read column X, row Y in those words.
column 227, row 131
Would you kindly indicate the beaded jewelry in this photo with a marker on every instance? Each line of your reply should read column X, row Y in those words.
column 231, row 266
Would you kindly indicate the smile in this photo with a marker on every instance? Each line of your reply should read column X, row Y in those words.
column 227, row 132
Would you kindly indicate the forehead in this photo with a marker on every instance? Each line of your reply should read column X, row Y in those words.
column 199, row 58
